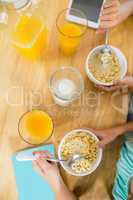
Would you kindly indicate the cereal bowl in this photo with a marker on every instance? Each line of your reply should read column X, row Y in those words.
column 79, row 139
column 121, row 59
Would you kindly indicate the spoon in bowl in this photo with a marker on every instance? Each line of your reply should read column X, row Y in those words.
column 70, row 161
column 106, row 48
column 106, row 54
column 74, row 158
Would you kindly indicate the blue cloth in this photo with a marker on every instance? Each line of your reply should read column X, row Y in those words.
column 30, row 185
column 124, row 171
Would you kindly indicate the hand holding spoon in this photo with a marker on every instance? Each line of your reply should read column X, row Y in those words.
column 22, row 156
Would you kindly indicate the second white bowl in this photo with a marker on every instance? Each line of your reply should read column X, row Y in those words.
column 121, row 58
column 94, row 165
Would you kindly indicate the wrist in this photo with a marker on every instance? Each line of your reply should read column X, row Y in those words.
column 120, row 130
column 129, row 6
column 57, row 185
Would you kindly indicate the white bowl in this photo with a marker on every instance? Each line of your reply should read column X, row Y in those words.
column 94, row 165
column 121, row 58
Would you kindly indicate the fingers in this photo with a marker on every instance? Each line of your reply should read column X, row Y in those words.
column 112, row 3
column 42, row 154
column 118, row 82
column 100, row 31
column 107, row 24
column 109, row 11
column 41, row 159
column 40, row 164
column 108, row 88
column 109, row 16
column 44, row 164
column 121, row 82
column 104, row 141
column 102, row 144
column 37, row 168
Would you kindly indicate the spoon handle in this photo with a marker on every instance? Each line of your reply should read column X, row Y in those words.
column 54, row 159
column 23, row 157
column 107, row 37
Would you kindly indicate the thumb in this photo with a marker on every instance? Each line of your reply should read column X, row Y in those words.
column 120, row 82
column 100, row 31
column 102, row 144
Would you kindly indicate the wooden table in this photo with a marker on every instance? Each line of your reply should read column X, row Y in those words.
column 24, row 85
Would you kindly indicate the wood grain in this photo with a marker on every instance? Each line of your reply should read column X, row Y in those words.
column 24, row 85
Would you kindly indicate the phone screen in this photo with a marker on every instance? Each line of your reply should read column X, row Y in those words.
column 91, row 8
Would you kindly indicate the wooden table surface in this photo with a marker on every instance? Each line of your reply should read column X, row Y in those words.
column 24, row 85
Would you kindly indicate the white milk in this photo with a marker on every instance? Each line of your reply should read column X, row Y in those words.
column 64, row 89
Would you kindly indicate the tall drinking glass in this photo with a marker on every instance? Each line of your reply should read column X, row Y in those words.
column 70, row 33
column 35, row 127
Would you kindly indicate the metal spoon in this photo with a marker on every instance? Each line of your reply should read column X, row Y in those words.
column 21, row 156
column 74, row 158
column 106, row 54
column 106, row 48
column 69, row 161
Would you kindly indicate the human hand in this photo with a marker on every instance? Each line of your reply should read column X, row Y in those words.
column 126, row 81
column 50, row 172
column 108, row 88
column 107, row 135
column 114, row 13
column 47, row 170
column 110, row 15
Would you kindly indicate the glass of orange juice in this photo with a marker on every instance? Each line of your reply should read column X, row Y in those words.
column 35, row 127
column 70, row 32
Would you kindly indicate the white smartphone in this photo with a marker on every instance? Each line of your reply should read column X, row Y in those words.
column 91, row 8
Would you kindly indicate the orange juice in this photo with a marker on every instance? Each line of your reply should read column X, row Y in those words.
column 36, row 126
column 70, row 38
column 30, row 36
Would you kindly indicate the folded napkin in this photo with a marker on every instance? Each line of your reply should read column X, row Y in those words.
column 30, row 185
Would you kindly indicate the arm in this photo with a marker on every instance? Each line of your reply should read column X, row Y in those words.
column 114, row 13
column 62, row 192
column 127, row 127
column 108, row 135
column 50, row 172
column 127, row 7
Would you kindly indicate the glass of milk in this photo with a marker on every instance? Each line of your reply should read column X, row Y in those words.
column 66, row 85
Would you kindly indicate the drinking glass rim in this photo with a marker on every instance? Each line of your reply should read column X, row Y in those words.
column 25, row 6
column 59, row 29
column 22, row 116
column 72, row 69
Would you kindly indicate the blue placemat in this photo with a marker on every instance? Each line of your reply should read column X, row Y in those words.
column 30, row 185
